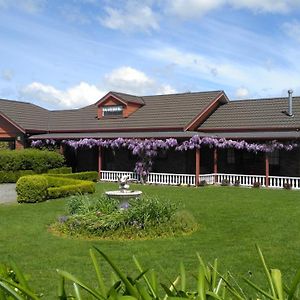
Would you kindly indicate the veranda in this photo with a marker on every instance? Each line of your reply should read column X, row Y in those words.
column 275, row 168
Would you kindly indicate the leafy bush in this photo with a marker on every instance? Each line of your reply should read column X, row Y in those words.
column 90, row 175
column 236, row 183
column 256, row 184
column 32, row 188
column 30, row 159
column 202, row 183
column 38, row 188
column 13, row 176
column 225, row 182
column 78, row 186
column 139, row 218
column 61, row 170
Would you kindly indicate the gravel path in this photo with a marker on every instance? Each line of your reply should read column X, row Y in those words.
column 8, row 193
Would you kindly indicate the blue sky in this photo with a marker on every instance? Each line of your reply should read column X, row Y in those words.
column 67, row 54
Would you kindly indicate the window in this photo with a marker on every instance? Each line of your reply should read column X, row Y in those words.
column 112, row 110
column 274, row 158
column 230, row 156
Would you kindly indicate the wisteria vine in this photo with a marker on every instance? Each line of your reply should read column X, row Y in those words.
column 147, row 149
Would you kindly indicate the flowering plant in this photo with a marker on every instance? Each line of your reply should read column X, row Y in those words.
column 147, row 149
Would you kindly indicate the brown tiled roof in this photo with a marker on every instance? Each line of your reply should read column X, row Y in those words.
column 24, row 114
column 254, row 114
column 129, row 98
column 161, row 111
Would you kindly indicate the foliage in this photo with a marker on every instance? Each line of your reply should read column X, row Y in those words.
column 236, row 183
column 287, row 186
column 74, row 187
column 37, row 188
column 61, row 170
column 202, row 183
column 138, row 218
column 256, row 184
column 209, row 283
column 225, row 182
column 89, row 175
column 32, row 188
column 30, row 159
column 13, row 176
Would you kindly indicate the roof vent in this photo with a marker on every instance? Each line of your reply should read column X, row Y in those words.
column 290, row 110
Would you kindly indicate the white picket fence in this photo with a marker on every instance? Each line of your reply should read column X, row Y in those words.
column 214, row 178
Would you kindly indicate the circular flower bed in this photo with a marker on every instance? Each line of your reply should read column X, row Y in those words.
column 147, row 217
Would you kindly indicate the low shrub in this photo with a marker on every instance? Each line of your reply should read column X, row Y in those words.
column 89, row 216
column 225, row 182
column 32, row 188
column 61, row 170
column 287, row 186
column 236, row 183
column 202, row 183
column 256, row 185
column 13, row 176
column 90, row 175
column 80, row 186
column 30, row 159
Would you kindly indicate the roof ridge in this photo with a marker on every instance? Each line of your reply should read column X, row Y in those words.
column 263, row 99
column 185, row 93
column 24, row 102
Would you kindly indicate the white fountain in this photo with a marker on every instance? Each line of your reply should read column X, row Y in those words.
column 124, row 193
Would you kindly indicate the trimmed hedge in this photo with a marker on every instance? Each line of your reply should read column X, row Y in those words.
column 61, row 170
column 30, row 159
column 90, row 175
column 80, row 186
column 13, row 176
column 32, row 188
column 39, row 188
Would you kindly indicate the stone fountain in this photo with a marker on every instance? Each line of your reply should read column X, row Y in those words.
column 124, row 193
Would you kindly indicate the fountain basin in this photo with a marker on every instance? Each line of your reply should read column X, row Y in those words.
column 123, row 195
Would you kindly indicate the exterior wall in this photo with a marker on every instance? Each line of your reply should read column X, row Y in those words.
column 10, row 133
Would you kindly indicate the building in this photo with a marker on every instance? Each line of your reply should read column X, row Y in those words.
column 178, row 116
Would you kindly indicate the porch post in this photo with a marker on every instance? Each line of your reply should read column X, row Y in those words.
column 197, row 166
column 267, row 169
column 61, row 149
column 215, row 164
column 99, row 162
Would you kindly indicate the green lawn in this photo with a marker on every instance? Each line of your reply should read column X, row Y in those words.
column 231, row 221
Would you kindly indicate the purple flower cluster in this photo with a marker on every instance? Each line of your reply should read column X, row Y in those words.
column 197, row 142
column 147, row 149
column 43, row 143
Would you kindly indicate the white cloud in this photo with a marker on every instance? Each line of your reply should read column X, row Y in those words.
column 74, row 97
column 129, row 80
column 124, row 79
column 29, row 6
column 242, row 92
column 132, row 17
column 292, row 29
column 195, row 8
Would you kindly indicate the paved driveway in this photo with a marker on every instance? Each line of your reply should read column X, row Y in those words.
column 8, row 193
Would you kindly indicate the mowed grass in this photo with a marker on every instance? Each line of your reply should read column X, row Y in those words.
column 231, row 220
